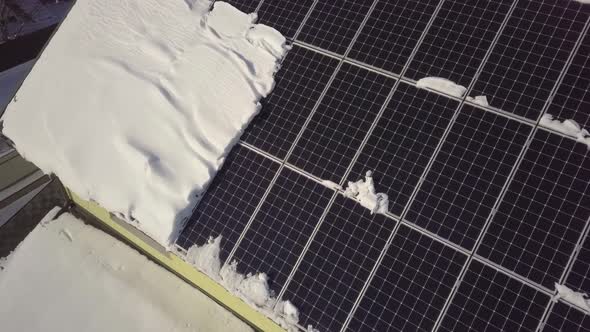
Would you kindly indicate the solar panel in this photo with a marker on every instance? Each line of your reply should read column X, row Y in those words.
column 337, row 264
column 411, row 285
column 282, row 226
column 487, row 209
column 488, row 300
column 340, row 123
column 539, row 221
column 230, row 200
column 565, row 318
column 468, row 175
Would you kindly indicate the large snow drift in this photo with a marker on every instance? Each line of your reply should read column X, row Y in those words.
column 135, row 103
column 67, row 276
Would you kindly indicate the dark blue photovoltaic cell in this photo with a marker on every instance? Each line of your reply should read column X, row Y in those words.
column 300, row 82
column 391, row 33
column 411, row 285
column 578, row 278
column 333, row 24
column 530, row 54
column 544, row 211
column 282, row 227
column 337, row 264
column 246, row 6
column 458, row 40
column 488, row 300
column 572, row 100
column 403, row 142
column 230, row 200
column 284, row 15
column 564, row 318
column 340, row 123
column 467, row 175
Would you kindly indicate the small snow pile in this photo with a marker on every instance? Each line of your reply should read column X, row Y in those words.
column 151, row 97
column 443, row 85
column 363, row 191
column 480, row 100
column 567, row 127
column 251, row 288
column 579, row 299
column 583, row 1
column 449, row 87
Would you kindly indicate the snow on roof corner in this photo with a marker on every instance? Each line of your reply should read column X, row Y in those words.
column 134, row 104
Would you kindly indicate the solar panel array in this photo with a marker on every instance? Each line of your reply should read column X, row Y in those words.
column 487, row 209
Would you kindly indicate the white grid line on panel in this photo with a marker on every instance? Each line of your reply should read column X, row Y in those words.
column 374, row 124
column 512, row 173
column 290, row 151
column 389, row 74
column 461, row 40
column 512, row 274
column 517, row 36
column 563, row 279
column 259, row 5
column 379, row 71
column 260, row 152
column 298, row 31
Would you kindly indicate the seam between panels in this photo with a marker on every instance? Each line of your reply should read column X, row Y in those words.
column 260, row 2
column 304, row 21
column 293, row 145
column 563, row 279
column 358, row 153
column 510, row 177
column 586, row 229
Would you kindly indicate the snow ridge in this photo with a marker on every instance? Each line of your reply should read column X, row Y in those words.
column 151, row 97
column 251, row 288
column 449, row 87
column 363, row 191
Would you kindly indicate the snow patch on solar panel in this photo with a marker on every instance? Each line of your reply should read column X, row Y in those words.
column 568, row 127
column 442, row 85
column 579, row 299
column 252, row 288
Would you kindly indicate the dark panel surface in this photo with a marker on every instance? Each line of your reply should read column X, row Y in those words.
column 488, row 300
column 403, row 142
column 391, row 33
column 300, row 82
column 333, row 24
column 543, row 212
column 458, row 40
column 230, row 200
column 337, row 264
column 530, row 54
column 411, row 285
column 467, row 175
column 572, row 100
column 282, row 227
column 340, row 123
column 579, row 277
column 564, row 318
column 285, row 16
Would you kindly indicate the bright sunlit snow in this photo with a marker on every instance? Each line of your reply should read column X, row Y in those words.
column 443, row 85
column 135, row 103
column 70, row 277
column 363, row 191
column 579, row 299
column 567, row 127
column 252, row 288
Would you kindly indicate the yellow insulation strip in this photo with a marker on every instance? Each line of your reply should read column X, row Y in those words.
column 182, row 268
